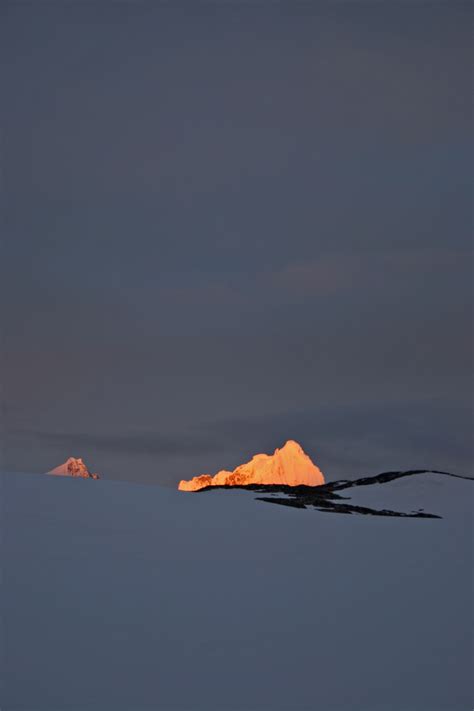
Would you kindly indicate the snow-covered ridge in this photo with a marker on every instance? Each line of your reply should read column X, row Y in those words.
column 281, row 608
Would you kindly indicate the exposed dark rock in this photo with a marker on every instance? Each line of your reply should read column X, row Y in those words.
column 325, row 498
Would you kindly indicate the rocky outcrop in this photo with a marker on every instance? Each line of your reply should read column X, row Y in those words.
column 75, row 468
column 288, row 466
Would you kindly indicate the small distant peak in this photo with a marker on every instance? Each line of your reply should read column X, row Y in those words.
column 75, row 467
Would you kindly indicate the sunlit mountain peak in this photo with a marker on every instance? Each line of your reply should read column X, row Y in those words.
column 288, row 465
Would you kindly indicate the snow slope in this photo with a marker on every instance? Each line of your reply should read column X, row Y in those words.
column 128, row 597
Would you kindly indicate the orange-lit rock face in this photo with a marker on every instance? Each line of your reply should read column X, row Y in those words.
column 73, row 467
column 197, row 482
column 288, row 465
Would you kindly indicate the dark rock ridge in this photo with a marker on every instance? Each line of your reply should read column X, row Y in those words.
column 326, row 498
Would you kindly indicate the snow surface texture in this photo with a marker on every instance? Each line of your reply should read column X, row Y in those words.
column 128, row 597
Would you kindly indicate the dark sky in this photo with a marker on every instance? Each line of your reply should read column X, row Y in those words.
column 229, row 224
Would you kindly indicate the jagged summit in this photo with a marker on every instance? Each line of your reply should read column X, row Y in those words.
column 73, row 467
column 289, row 466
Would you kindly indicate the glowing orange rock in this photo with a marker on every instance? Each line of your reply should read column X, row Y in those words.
column 73, row 467
column 288, row 465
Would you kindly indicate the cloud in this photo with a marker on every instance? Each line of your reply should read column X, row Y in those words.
column 344, row 271
column 129, row 442
column 345, row 441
